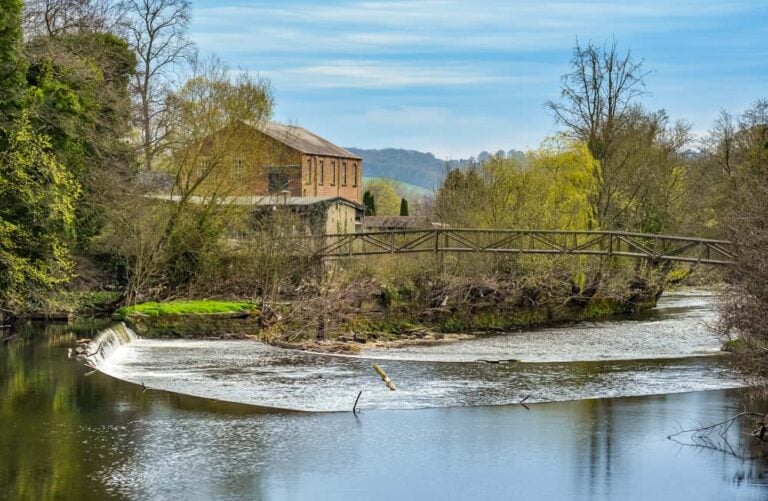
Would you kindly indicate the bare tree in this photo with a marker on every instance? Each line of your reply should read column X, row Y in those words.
column 56, row 17
column 157, row 31
column 598, row 106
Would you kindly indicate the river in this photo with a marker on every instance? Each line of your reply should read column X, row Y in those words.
column 595, row 428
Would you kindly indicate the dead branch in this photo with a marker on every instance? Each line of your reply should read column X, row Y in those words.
column 718, row 436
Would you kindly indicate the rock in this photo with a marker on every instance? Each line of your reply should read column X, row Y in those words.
column 360, row 337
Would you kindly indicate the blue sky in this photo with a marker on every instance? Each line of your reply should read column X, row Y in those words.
column 456, row 77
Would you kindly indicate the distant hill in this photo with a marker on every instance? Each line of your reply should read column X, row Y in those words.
column 414, row 167
column 409, row 166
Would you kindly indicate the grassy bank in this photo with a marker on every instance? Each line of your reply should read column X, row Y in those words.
column 184, row 307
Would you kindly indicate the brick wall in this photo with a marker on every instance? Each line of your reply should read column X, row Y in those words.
column 325, row 176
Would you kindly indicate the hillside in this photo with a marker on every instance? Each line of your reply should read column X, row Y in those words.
column 413, row 167
column 408, row 166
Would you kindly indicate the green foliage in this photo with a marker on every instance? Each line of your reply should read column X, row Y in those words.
column 384, row 194
column 37, row 197
column 154, row 309
column 678, row 275
column 551, row 190
column 403, row 207
column 78, row 96
column 11, row 59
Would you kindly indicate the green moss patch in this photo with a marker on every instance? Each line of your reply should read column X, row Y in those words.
column 185, row 307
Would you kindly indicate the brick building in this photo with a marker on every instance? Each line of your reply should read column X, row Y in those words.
column 272, row 158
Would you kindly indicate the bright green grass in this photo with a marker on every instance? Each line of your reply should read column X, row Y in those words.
column 181, row 307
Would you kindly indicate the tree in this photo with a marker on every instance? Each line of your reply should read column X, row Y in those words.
column 168, row 246
column 403, row 207
column 642, row 179
column 384, row 192
column 597, row 103
column 550, row 190
column 57, row 17
column 746, row 219
column 12, row 66
column 157, row 32
column 78, row 96
column 458, row 196
column 37, row 198
column 369, row 203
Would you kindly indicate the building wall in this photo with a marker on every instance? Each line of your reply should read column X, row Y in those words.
column 325, row 176
column 340, row 219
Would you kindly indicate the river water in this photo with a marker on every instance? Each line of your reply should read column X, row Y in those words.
column 67, row 433
column 671, row 350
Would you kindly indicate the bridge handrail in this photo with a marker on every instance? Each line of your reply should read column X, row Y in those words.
column 681, row 238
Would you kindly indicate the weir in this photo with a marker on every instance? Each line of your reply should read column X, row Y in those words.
column 671, row 351
column 106, row 343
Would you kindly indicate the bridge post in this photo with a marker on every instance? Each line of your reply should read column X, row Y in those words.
column 439, row 251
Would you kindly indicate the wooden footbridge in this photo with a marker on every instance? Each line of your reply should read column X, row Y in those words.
column 646, row 246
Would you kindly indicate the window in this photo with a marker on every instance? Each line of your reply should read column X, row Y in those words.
column 237, row 170
column 344, row 173
column 357, row 173
column 333, row 172
column 321, row 175
column 309, row 171
column 278, row 181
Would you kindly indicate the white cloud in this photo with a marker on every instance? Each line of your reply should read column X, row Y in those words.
column 377, row 74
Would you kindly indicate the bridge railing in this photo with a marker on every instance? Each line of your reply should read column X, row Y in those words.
column 649, row 246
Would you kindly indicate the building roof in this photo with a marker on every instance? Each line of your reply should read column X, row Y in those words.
column 399, row 222
column 262, row 200
column 300, row 139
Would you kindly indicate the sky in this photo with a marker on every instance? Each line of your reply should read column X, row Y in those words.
column 455, row 77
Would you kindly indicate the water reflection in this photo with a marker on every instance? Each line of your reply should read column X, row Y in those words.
column 67, row 436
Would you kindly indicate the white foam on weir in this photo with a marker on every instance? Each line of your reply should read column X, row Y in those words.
column 254, row 373
column 107, row 344
column 681, row 326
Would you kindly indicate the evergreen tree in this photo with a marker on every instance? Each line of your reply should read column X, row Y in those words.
column 403, row 207
column 370, row 204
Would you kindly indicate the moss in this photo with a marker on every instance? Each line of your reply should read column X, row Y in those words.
column 677, row 276
column 733, row 345
column 185, row 307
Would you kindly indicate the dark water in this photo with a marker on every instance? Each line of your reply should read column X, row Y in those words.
column 65, row 435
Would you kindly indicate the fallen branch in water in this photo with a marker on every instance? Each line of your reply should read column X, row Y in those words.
column 354, row 407
column 716, row 436
column 384, row 377
column 522, row 402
